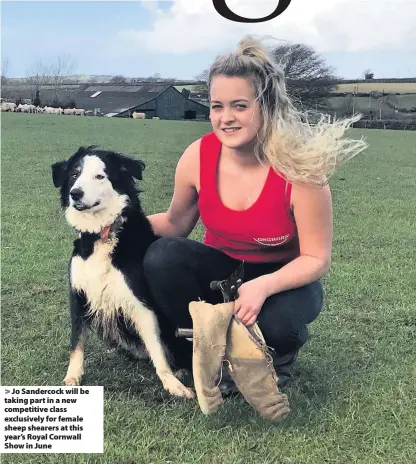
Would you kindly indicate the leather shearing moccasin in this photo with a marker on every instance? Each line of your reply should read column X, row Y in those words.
column 251, row 367
column 210, row 325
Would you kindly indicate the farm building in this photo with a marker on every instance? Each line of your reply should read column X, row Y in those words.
column 165, row 102
column 155, row 100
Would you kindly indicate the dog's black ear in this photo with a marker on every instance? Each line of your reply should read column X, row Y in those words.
column 132, row 166
column 58, row 173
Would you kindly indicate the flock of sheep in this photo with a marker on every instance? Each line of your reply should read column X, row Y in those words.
column 23, row 108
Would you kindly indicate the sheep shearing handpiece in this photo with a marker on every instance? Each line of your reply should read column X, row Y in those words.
column 229, row 289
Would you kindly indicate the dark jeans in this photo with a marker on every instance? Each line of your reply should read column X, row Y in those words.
column 179, row 270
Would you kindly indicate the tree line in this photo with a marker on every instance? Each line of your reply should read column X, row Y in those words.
column 309, row 79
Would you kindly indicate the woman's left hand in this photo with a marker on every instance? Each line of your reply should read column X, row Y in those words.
column 251, row 296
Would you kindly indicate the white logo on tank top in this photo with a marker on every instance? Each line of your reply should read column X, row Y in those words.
column 272, row 241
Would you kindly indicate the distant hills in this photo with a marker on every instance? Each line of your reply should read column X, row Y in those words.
column 106, row 79
column 404, row 85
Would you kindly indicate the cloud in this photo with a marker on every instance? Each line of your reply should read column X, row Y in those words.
column 327, row 25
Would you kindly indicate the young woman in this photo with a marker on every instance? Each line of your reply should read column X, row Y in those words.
column 258, row 182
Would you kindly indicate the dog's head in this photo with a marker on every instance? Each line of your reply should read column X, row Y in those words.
column 95, row 186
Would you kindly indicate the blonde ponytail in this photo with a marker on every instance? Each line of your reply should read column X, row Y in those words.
column 300, row 150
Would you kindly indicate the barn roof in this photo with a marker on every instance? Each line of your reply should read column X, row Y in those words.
column 143, row 89
column 117, row 98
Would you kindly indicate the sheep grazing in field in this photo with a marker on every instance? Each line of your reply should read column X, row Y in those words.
column 26, row 108
column 69, row 111
column 48, row 110
column 79, row 112
column 138, row 115
column 8, row 107
column 156, row 118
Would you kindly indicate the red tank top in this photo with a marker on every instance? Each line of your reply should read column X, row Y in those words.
column 265, row 232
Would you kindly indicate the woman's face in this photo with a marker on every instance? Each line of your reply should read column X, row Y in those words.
column 235, row 115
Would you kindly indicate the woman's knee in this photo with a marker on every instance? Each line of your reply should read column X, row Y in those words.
column 316, row 301
column 285, row 316
column 285, row 336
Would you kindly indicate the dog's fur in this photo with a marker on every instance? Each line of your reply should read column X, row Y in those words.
column 108, row 291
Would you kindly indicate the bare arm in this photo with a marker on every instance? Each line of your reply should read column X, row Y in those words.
column 183, row 212
column 313, row 215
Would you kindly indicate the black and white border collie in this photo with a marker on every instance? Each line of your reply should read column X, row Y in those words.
column 107, row 288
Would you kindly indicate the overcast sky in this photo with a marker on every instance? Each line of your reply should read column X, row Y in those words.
column 180, row 38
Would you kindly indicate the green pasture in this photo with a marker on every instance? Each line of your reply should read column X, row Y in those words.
column 353, row 398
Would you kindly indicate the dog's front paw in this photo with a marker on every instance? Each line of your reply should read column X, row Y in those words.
column 72, row 381
column 177, row 388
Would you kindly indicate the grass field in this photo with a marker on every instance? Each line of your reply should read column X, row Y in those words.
column 354, row 395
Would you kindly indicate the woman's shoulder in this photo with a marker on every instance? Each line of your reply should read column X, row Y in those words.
column 193, row 151
column 188, row 165
column 306, row 192
column 194, row 147
column 191, row 159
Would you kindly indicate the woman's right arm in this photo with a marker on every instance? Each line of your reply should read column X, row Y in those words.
column 183, row 212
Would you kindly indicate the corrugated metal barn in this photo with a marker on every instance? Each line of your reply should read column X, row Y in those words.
column 155, row 100
column 167, row 103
